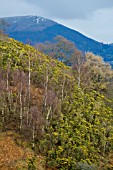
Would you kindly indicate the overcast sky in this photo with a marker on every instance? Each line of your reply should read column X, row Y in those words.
column 93, row 18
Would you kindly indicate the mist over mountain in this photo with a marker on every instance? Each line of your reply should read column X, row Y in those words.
column 38, row 29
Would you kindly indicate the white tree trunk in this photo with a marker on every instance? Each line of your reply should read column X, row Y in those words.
column 21, row 113
column 29, row 88
column 46, row 88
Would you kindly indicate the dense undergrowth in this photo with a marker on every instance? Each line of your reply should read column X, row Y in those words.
column 40, row 100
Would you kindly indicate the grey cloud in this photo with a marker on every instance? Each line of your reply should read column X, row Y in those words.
column 70, row 9
column 98, row 27
column 62, row 9
column 18, row 8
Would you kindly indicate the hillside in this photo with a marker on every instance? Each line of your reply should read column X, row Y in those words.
column 48, row 112
column 38, row 29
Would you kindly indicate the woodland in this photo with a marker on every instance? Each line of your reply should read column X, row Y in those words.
column 58, row 103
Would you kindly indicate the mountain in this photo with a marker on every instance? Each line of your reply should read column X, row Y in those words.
column 38, row 29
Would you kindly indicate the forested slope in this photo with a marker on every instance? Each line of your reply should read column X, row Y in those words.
column 40, row 100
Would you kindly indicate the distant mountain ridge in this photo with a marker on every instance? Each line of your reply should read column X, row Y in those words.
column 38, row 29
column 27, row 23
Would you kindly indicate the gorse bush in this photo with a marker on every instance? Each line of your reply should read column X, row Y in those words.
column 32, row 164
column 82, row 132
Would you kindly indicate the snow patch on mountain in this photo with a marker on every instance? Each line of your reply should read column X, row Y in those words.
column 40, row 19
column 37, row 20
